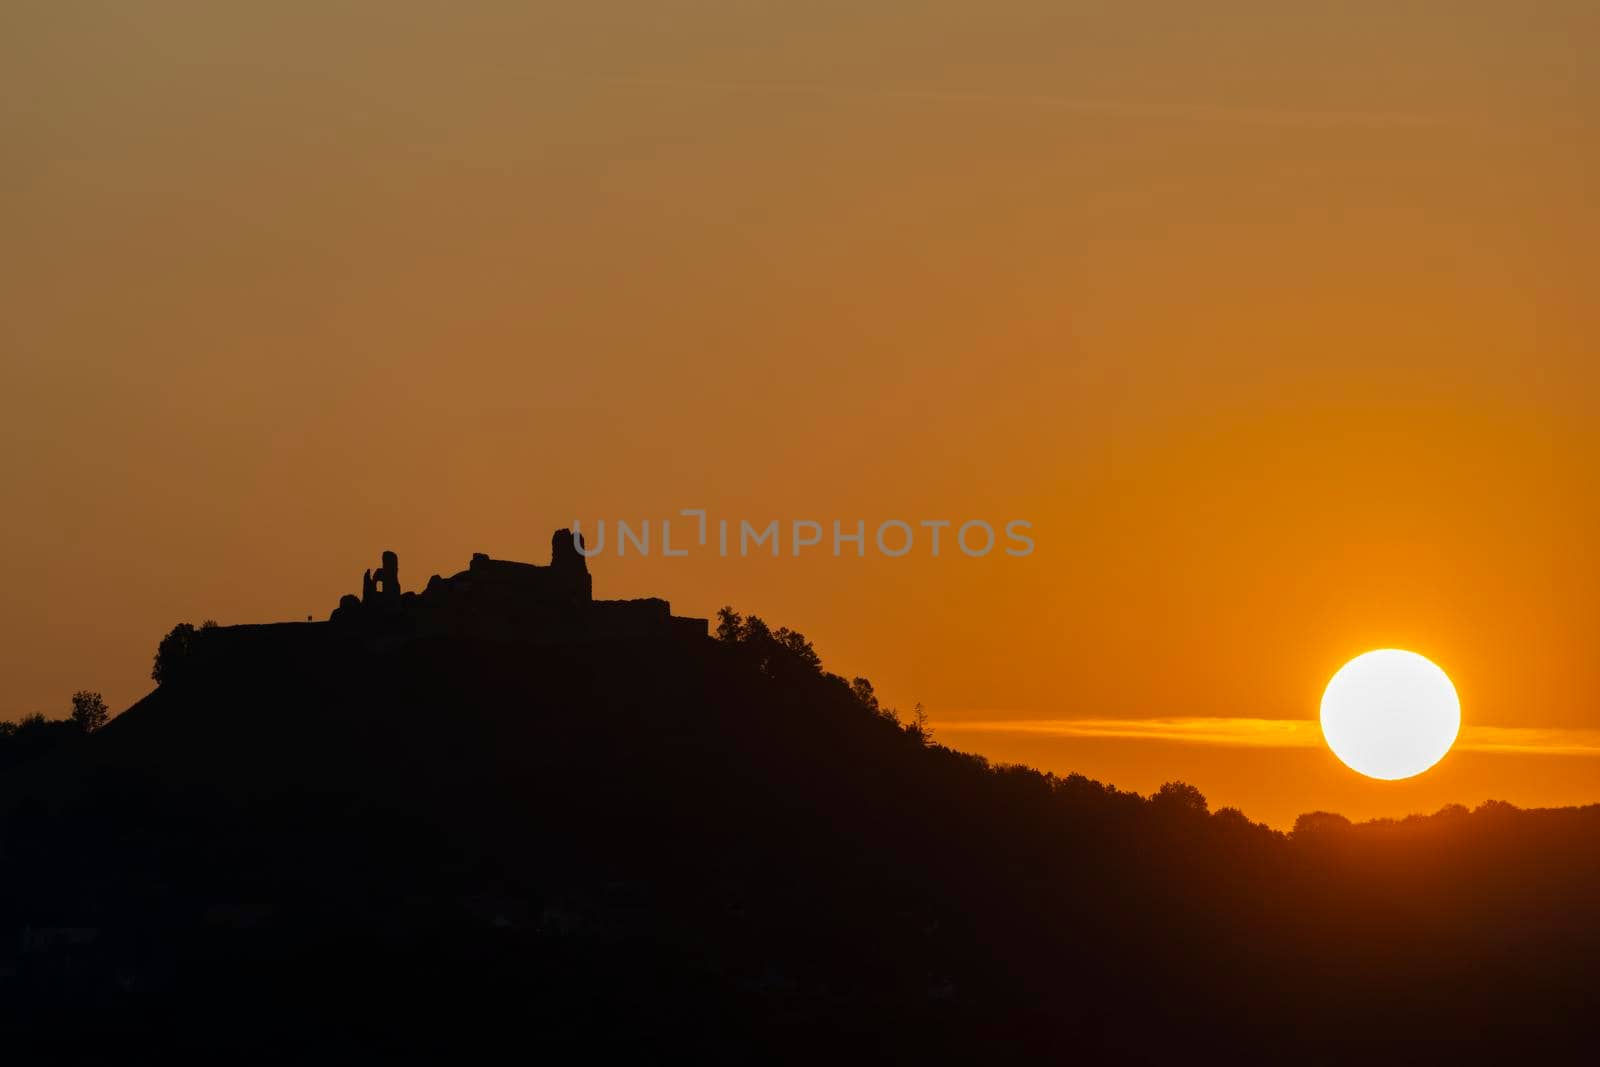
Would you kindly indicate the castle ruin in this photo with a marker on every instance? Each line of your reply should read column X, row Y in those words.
column 507, row 599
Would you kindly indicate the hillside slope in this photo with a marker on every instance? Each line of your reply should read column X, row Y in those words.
column 408, row 850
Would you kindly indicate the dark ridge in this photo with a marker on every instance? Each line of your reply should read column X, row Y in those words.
column 347, row 843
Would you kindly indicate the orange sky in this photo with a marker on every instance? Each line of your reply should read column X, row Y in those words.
column 1273, row 321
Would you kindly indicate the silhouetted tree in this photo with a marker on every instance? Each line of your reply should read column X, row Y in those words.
column 177, row 650
column 1232, row 818
column 794, row 642
column 775, row 653
column 89, row 711
column 172, row 653
column 1497, row 809
column 918, row 726
column 1312, row 823
column 1180, row 797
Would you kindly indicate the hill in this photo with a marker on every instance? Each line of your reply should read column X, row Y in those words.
column 431, row 846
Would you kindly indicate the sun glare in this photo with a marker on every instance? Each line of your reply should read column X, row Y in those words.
column 1390, row 714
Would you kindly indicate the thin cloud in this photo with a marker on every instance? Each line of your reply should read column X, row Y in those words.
column 1277, row 733
column 1537, row 741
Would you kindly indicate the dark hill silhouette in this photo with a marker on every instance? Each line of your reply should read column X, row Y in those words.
column 443, row 846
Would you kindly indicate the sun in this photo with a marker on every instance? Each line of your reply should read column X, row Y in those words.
column 1390, row 714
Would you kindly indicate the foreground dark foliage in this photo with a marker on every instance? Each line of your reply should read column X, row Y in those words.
column 314, row 848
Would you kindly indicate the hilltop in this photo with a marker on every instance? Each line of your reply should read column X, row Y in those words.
column 383, row 840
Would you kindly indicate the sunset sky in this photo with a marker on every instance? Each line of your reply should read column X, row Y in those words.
column 1276, row 322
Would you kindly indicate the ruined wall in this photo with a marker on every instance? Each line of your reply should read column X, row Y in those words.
column 497, row 598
